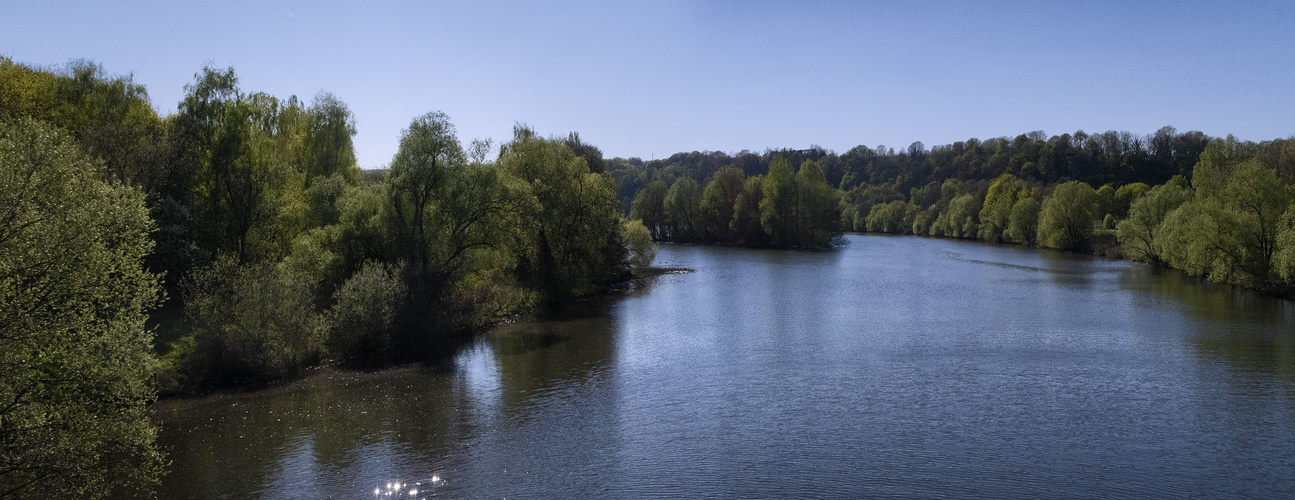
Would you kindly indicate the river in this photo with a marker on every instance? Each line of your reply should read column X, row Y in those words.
column 890, row 367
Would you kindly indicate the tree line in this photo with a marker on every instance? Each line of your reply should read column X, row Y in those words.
column 1218, row 208
column 780, row 209
column 237, row 242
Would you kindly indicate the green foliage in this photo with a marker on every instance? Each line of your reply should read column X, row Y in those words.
column 819, row 208
column 682, row 210
column 420, row 176
column 1140, row 233
column 1232, row 234
column 718, row 202
column 240, row 184
column 327, row 149
column 997, row 208
column 778, row 206
column 1125, row 196
column 961, row 219
column 252, row 323
column 746, row 226
column 1023, row 223
column 1106, row 201
column 1066, row 218
column 786, row 209
column 362, row 321
column 888, row 218
column 569, row 218
column 74, row 352
column 641, row 248
column 649, row 206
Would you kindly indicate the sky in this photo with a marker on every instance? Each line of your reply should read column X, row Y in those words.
column 649, row 79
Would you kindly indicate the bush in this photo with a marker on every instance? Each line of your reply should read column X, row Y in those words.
column 363, row 316
column 639, row 241
column 253, row 323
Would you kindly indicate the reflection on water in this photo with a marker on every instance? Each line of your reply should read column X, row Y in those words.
column 905, row 367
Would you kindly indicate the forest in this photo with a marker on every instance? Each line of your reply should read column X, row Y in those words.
column 1217, row 208
column 235, row 242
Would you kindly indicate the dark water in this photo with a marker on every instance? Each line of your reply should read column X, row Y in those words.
column 895, row 366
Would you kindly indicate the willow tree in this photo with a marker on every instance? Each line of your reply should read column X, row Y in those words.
column 682, row 210
column 74, row 353
column 996, row 212
column 1066, row 219
column 778, row 206
column 1231, row 233
column 718, row 201
column 569, row 218
column 1140, row 234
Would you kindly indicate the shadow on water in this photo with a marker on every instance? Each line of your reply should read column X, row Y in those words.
column 1247, row 330
column 405, row 424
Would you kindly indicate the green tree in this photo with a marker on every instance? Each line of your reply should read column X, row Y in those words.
column 420, row 173
column 238, row 176
column 778, row 206
column 569, row 217
column 1066, row 218
column 718, row 201
column 641, row 248
column 1125, row 196
column 818, row 210
column 649, row 207
column 1106, row 201
column 1139, row 234
column 746, row 224
column 253, row 323
column 362, row 320
column 963, row 216
column 327, row 142
column 1232, row 234
column 997, row 208
column 1024, row 221
column 74, row 353
column 682, row 210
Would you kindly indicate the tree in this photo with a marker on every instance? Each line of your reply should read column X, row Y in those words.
column 1024, row 221
column 997, row 208
column 1106, row 201
column 641, row 248
column 237, row 172
column 429, row 152
column 363, row 316
column 1066, row 219
column 962, row 216
column 649, row 207
column 1125, row 196
column 328, row 147
column 682, row 207
column 778, row 206
column 819, row 208
column 746, row 225
column 1139, row 234
column 569, row 217
column 718, row 200
column 74, row 352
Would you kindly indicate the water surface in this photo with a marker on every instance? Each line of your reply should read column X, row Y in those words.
column 895, row 366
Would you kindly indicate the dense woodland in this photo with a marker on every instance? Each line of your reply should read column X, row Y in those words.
column 234, row 241
column 1218, row 208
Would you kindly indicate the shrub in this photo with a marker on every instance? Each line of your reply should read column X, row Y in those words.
column 363, row 316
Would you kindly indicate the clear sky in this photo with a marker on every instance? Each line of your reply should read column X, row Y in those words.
column 653, row 78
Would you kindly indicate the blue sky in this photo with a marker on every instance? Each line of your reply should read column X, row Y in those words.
column 654, row 78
